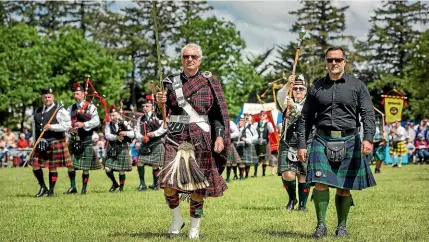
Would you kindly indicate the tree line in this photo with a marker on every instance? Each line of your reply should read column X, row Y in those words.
column 55, row 43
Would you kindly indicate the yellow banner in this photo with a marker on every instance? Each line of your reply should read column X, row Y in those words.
column 393, row 109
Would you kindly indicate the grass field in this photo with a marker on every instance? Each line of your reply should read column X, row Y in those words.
column 397, row 209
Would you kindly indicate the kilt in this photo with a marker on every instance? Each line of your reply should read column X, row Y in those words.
column 353, row 173
column 284, row 164
column 379, row 153
column 247, row 154
column 266, row 156
column 204, row 157
column 233, row 157
column 57, row 155
column 398, row 148
column 122, row 162
column 88, row 160
column 155, row 158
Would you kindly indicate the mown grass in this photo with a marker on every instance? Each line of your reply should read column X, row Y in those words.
column 397, row 209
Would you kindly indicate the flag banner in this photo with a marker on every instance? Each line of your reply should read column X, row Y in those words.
column 393, row 108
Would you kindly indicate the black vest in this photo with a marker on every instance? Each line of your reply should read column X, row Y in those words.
column 82, row 117
column 41, row 119
column 291, row 134
column 263, row 131
column 121, row 127
column 152, row 124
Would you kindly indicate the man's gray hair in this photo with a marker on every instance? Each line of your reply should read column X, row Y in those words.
column 195, row 46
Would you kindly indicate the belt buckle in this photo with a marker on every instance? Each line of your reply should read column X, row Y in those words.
column 336, row 134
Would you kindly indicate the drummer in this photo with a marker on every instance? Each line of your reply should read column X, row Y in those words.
column 264, row 128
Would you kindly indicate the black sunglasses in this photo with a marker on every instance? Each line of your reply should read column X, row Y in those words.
column 299, row 89
column 337, row 60
column 193, row 57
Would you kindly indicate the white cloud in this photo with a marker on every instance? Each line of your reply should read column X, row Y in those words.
column 264, row 24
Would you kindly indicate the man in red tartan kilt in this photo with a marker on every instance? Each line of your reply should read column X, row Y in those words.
column 84, row 121
column 197, row 139
column 52, row 151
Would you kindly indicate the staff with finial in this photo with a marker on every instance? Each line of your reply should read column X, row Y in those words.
column 158, row 53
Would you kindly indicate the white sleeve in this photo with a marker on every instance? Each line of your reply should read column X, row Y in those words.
column 281, row 97
column 234, row 130
column 107, row 133
column 95, row 119
column 64, row 121
column 137, row 130
column 160, row 131
column 130, row 131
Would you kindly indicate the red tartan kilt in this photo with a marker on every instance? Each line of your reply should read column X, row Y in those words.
column 57, row 155
column 204, row 158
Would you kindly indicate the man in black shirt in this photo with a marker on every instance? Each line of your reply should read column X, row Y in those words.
column 337, row 157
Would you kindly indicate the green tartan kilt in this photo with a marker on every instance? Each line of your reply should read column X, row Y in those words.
column 88, row 159
column 122, row 162
column 284, row 164
column 379, row 153
column 156, row 157
column 247, row 154
column 233, row 156
column 353, row 173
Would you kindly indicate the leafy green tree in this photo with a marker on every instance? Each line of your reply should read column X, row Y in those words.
column 24, row 70
column 72, row 57
column 416, row 74
column 392, row 34
column 325, row 25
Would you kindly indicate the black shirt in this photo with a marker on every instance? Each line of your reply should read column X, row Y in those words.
column 337, row 105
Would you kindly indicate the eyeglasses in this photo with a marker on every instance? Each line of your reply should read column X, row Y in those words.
column 337, row 60
column 193, row 57
column 301, row 89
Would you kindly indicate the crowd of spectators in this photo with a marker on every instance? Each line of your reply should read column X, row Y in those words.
column 416, row 141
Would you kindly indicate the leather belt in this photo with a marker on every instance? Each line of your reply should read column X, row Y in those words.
column 185, row 119
column 337, row 133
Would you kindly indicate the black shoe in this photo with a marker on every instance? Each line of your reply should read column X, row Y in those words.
column 142, row 187
column 83, row 192
column 302, row 208
column 255, row 175
column 71, row 190
column 121, row 189
column 320, row 231
column 42, row 192
column 227, row 180
column 291, row 204
column 51, row 193
column 113, row 187
column 154, row 187
column 341, row 231
column 235, row 178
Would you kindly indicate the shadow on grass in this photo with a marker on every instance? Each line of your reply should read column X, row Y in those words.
column 286, row 234
column 24, row 195
column 146, row 235
column 261, row 208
